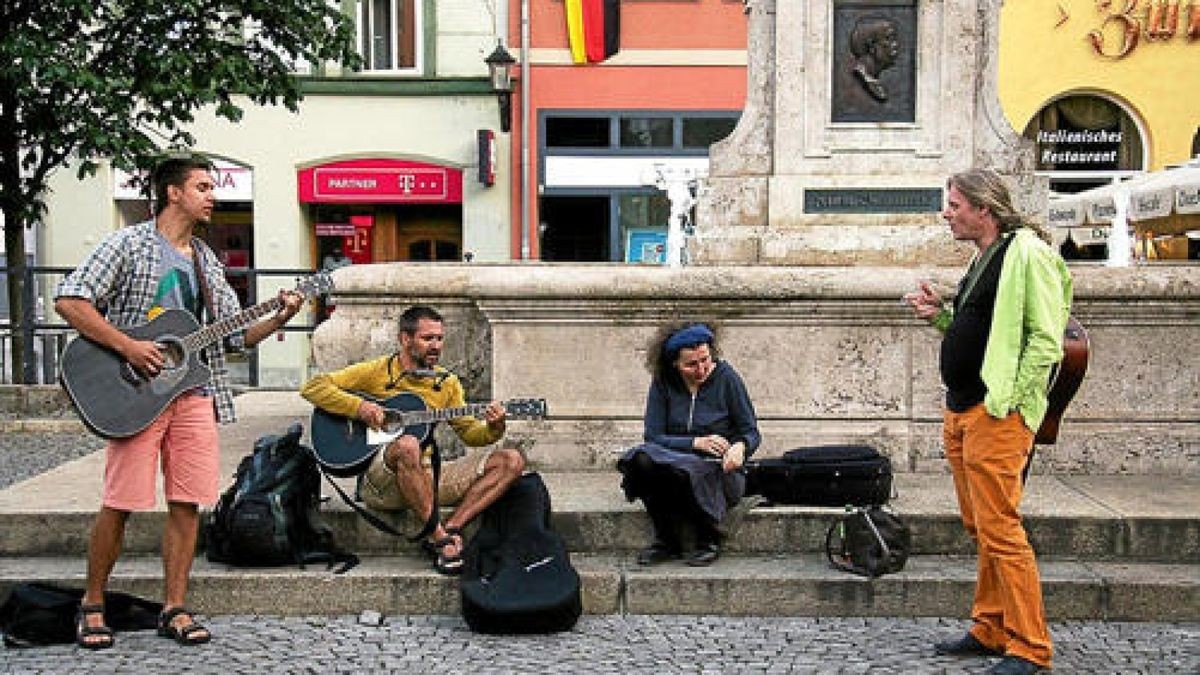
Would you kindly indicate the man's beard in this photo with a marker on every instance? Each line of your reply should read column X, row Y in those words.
column 422, row 360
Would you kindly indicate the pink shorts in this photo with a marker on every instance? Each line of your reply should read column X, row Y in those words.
column 185, row 437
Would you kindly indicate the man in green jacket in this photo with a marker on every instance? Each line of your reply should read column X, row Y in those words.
column 1002, row 335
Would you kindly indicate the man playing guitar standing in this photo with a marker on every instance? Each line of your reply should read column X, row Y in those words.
column 133, row 275
column 399, row 475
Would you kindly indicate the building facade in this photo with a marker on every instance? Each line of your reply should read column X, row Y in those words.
column 1104, row 91
column 381, row 165
column 605, row 142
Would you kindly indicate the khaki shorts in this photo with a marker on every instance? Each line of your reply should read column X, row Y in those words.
column 379, row 489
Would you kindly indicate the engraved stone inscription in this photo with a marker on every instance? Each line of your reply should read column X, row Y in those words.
column 903, row 200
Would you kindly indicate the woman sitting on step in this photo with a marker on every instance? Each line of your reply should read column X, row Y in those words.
column 699, row 429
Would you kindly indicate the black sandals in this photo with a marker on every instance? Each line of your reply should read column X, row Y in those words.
column 186, row 634
column 91, row 637
column 449, row 565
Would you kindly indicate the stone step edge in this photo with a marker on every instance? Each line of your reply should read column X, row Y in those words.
column 793, row 585
column 41, row 426
column 767, row 531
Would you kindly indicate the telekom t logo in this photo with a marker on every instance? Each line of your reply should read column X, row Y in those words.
column 406, row 182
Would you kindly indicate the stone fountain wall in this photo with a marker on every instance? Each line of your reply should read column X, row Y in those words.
column 828, row 353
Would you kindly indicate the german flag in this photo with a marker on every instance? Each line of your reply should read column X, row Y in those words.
column 594, row 29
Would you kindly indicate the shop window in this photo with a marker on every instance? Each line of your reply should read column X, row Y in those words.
column 577, row 132
column 642, row 219
column 1085, row 134
column 387, row 34
column 701, row 132
column 647, row 132
column 433, row 249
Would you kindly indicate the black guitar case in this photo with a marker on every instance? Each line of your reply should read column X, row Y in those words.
column 517, row 575
column 828, row 475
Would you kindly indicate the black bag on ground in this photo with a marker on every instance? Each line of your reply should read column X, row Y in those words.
column 823, row 475
column 869, row 542
column 271, row 513
column 38, row 613
column 517, row 576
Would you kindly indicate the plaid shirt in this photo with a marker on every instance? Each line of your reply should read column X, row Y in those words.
column 119, row 277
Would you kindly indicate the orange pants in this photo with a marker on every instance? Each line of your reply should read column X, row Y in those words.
column 986, row 457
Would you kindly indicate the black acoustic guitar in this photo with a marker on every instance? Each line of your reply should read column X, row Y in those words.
column 115, row 401
column 1065, row 380
column 340, row 443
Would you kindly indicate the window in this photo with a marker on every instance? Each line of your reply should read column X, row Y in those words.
column 577, row 132
column 647, row 132
column 635, row 132
column 701, row 132
column 388, row 32
column 1085, row 140
column 433, row 249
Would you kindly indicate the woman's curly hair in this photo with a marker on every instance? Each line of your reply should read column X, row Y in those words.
column 661, row 365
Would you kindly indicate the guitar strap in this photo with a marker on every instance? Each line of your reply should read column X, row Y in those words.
column 435, row 461
column 205, row 293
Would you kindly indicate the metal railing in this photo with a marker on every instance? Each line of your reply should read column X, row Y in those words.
column 46, row 340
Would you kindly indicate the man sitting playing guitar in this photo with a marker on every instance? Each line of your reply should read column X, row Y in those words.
column 399, row 477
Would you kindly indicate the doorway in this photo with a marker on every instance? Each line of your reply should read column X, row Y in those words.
column 576, row 229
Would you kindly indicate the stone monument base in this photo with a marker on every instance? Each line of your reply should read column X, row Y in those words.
column 828, row 353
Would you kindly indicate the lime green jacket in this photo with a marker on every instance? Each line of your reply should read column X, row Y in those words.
column 1033, row 299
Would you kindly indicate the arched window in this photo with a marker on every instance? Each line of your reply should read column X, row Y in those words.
column 1084, row 140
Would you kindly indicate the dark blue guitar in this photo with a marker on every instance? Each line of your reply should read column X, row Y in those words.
column 341, row 444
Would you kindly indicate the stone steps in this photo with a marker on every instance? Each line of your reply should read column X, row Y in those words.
column 1114, row 518
column 1111, row 547
column 738, row 585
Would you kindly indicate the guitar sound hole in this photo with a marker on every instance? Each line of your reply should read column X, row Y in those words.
column 173, row 356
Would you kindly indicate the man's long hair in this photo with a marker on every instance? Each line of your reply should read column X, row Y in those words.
column 985, row 188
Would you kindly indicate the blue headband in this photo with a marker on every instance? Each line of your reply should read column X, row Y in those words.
column 696, row 334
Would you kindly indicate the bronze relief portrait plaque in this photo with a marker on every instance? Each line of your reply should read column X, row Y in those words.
column 874, row 61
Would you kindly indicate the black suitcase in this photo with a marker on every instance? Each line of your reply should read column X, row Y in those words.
column 825, row 475
column 517, row 574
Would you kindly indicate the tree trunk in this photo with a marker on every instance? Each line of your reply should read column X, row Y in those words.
column 14, row 251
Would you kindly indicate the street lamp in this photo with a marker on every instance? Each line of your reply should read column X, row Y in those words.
column 499, row 63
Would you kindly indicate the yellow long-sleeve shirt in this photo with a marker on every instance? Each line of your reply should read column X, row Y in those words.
column 341, row 392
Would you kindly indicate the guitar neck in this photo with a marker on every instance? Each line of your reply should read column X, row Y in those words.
column 440, row 414
column 231, row 324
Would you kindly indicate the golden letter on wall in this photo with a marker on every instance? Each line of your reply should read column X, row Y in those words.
column 1131, row 28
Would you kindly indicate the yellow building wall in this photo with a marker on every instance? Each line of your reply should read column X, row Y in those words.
column 1046, row 52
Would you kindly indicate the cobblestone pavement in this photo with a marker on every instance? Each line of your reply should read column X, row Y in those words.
column 608, row 644
column 26, row 454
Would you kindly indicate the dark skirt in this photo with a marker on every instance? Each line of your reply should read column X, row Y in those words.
column 713, row 490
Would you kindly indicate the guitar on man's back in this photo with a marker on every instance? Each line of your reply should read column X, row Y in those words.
column 1065, row 379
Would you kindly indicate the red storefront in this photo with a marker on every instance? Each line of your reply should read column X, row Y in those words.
column 383, row 210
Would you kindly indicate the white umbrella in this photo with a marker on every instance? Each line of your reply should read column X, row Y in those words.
column 1166, row 192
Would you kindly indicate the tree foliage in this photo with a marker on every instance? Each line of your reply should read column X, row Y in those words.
column 120, row 79
column 84, row 80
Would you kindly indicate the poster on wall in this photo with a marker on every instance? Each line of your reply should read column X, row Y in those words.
column 645, row 245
